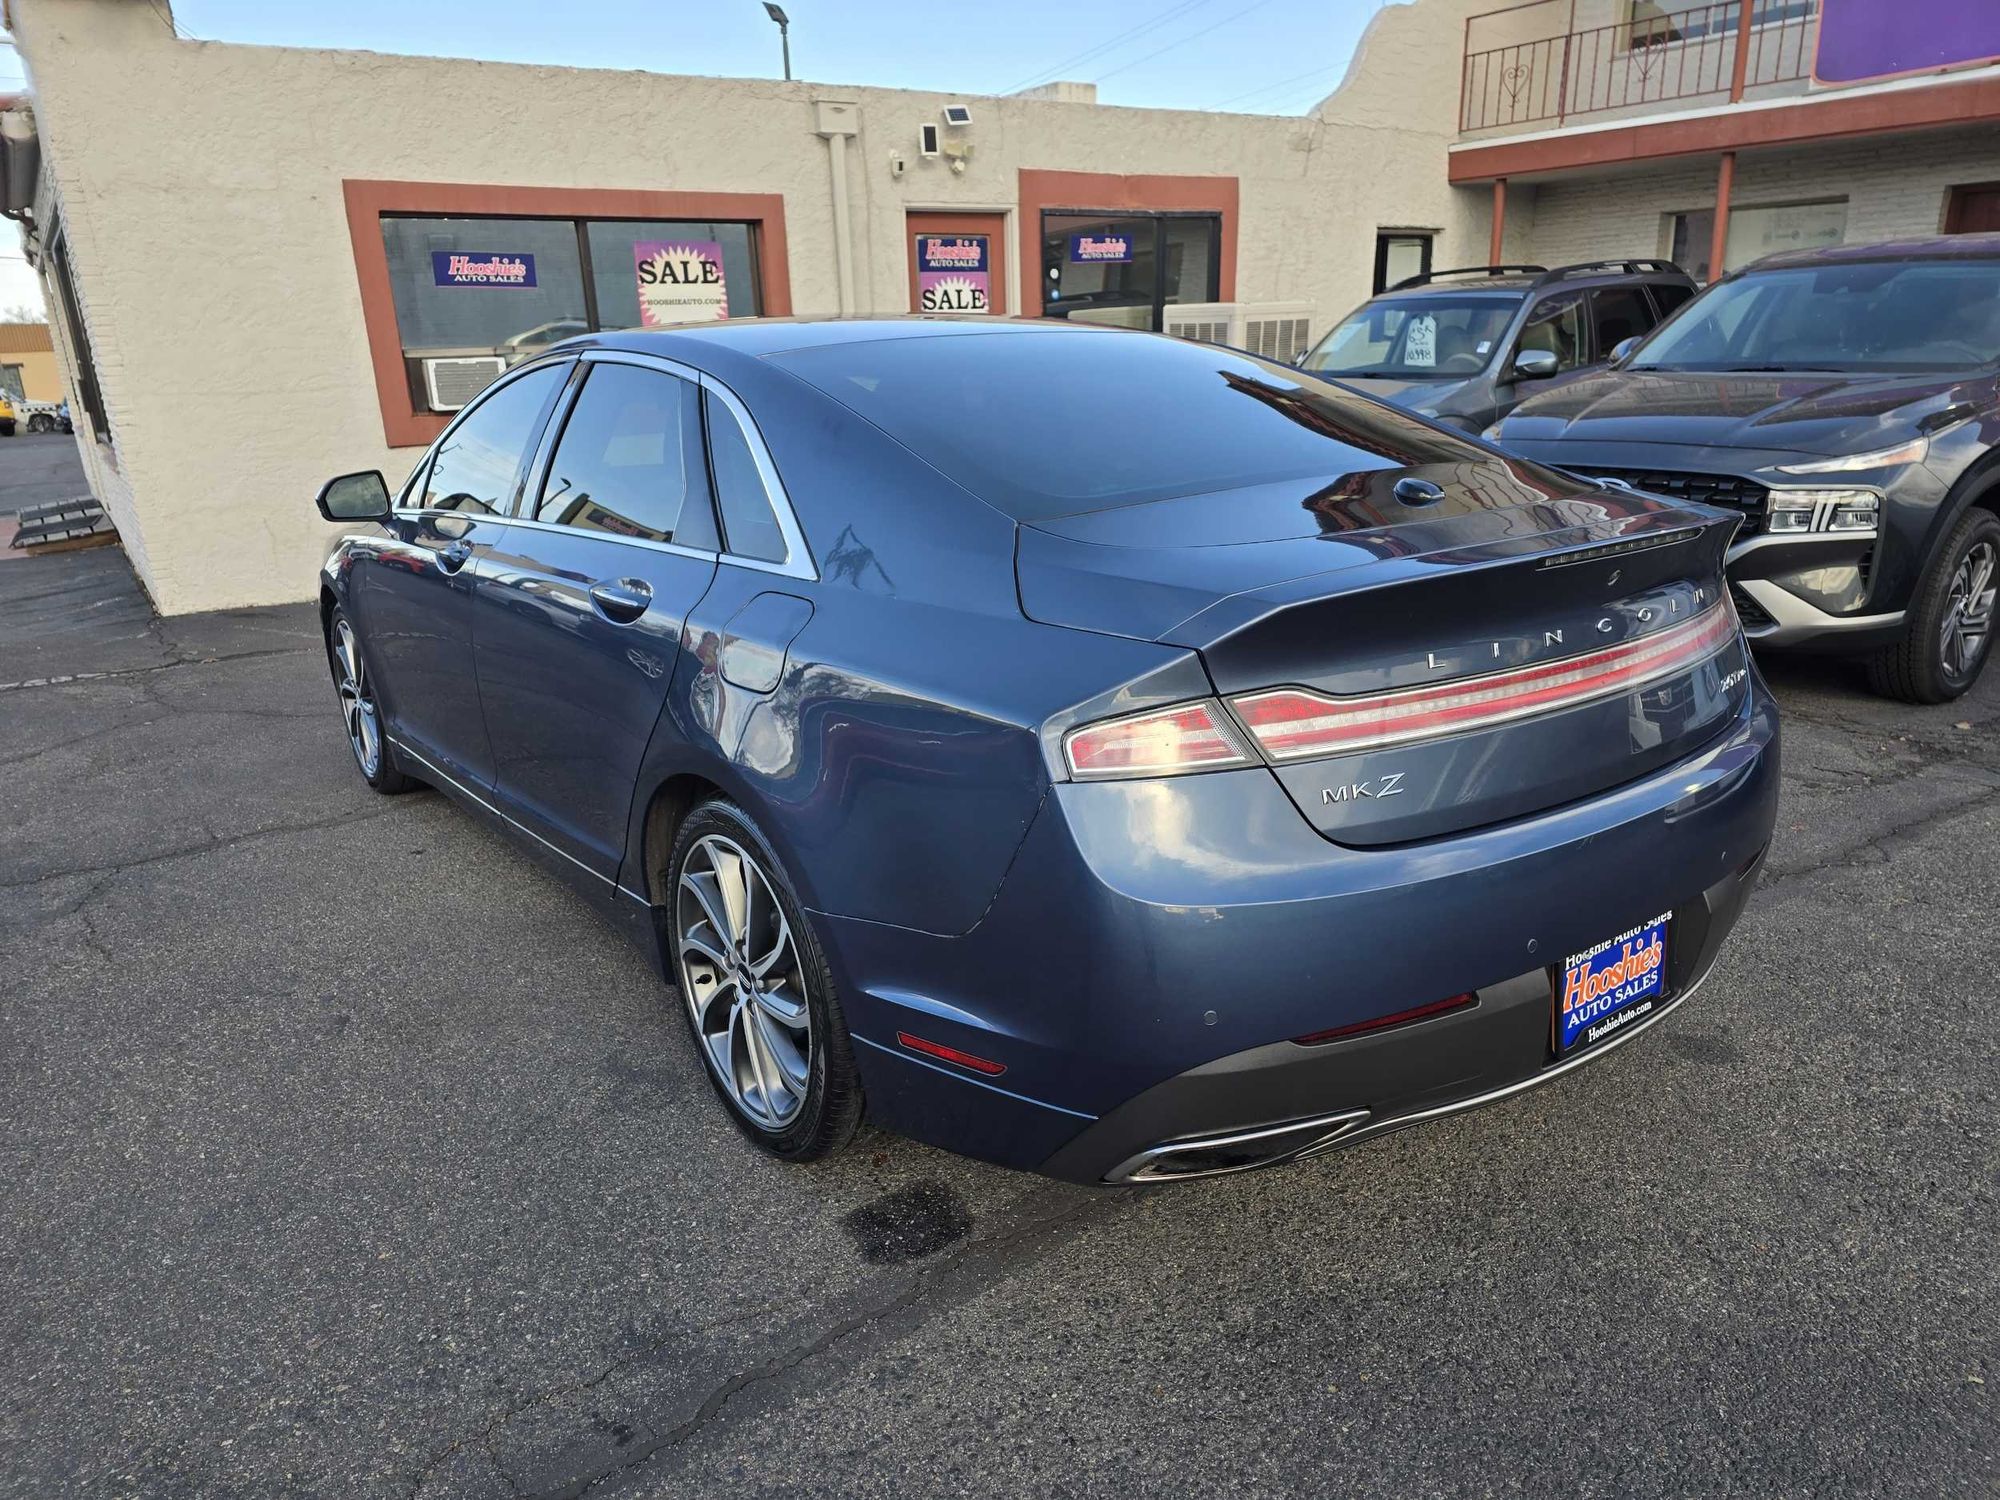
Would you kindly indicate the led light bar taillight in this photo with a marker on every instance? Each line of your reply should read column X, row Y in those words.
column 1291, row 723
column 1166, row 742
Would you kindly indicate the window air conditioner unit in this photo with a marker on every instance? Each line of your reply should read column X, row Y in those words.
column 1204, row 322
column 451, row 382
column 1280, row 331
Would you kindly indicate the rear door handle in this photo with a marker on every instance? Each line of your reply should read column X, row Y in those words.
column 622, row 599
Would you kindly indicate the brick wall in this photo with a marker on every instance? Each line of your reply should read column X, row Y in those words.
column 1895, row 188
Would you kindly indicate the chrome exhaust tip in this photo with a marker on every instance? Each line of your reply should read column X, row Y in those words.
column 1237, row 1151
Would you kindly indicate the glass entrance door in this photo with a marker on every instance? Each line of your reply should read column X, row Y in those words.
column 1125, row 269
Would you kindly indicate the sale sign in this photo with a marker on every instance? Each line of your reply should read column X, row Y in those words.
column 680, row 281
column 953, row 274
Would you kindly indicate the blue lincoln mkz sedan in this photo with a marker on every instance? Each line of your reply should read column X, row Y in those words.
column 1092, row 751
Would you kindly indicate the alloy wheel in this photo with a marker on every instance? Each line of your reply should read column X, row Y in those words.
column 357, row 700
column 1968, row 612
column 741, row 977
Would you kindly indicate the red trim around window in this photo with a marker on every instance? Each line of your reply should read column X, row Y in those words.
column 405, row 427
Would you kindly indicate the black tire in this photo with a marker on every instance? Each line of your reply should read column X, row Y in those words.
column 6, row 429
column 1919, row 668
column 385, row 776
column 40, row 422
column 829, row 1106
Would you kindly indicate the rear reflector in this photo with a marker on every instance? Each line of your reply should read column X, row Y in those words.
column 1291, row 723
column 1190, row 737
column 939, row 1050
column 1415, row 1013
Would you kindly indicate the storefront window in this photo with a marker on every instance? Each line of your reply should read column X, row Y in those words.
column 476, row 295
column 1754, row 231
column 1653, row 23
column 614, row 255
column 1123, row 269
column 483, row 286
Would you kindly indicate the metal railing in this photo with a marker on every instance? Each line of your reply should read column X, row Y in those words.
column 1518, row 71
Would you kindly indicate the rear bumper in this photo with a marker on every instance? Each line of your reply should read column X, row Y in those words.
column 1156, row 943
column 1270, row 1105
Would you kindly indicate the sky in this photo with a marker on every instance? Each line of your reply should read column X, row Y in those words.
column 1259, row 56
column 1266, row 56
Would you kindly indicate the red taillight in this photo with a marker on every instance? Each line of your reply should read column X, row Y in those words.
column 929, row 1048
column 1415, row 1013
column 1294, row 722
column 1188, row 737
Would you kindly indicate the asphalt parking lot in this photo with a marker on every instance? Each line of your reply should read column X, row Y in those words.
column 348, row 1155
column 38, row 467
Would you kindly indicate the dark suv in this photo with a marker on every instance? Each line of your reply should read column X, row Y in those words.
column 1846, row 402
column 1464, row 347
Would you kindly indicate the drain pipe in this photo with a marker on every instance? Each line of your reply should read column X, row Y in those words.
column 835, row 121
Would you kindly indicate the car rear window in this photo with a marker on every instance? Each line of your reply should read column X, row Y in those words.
column 1045, row 423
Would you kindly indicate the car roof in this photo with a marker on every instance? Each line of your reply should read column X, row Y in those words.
column 756, row 337
column 1931, row 247
column 1524, row 279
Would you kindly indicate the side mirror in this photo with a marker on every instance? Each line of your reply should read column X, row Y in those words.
column 1622, row 348
column 355, row 497
column 1534, row 364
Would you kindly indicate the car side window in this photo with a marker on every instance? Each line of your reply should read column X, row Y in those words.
column 749, row 523
column 478, row 465
column 629, row 461
column 1556, row 325
column 1668, row 296
column 1618, row 313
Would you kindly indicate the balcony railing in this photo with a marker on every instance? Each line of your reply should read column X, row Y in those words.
column 1519, row 70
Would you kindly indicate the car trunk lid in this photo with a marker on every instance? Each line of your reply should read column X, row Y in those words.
column 1418, row 659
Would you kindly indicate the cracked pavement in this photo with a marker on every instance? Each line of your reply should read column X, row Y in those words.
column 347, row 1154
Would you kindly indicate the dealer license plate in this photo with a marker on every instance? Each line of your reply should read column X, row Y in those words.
column 1606, row 989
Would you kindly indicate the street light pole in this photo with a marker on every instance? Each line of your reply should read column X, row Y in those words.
column 777, row 13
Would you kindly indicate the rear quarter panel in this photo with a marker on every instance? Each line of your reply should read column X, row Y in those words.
column 895, row 762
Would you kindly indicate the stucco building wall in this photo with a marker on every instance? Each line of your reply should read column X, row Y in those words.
column 201, row 186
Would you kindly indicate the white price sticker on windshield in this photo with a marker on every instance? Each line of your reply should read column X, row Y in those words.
column 1420, row 345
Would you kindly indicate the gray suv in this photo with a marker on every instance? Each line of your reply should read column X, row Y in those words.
column 1465, row 347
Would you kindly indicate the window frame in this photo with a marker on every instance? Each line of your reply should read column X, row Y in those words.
column 367, row 201
column 586, row 268
column 1533, row 304
column 418, row 484
column 551, row 439
column 1157, row 220
column 1384, row 238
column 798, row 561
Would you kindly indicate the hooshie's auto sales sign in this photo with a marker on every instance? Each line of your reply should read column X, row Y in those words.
column 952, row 275
column 482, row 268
